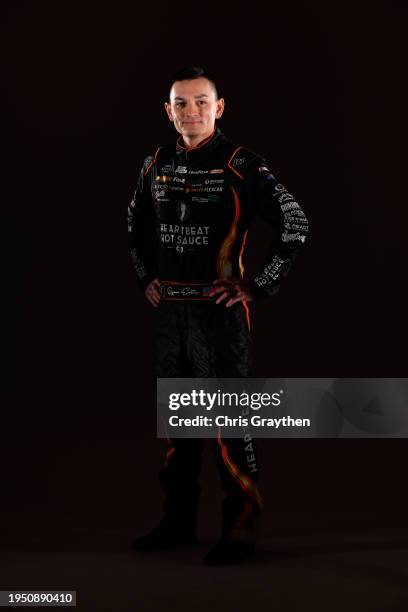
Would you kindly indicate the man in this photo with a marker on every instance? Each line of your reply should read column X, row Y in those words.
column 187, row 224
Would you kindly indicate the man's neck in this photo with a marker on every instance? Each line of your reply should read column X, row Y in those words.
column 193, row 141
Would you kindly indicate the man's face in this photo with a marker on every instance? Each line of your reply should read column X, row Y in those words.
column 194, row 108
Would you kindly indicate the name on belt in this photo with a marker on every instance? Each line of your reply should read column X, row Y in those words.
column 182, row 291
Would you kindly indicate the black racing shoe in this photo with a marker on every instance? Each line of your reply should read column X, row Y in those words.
column 229, row 551
column 164, row 537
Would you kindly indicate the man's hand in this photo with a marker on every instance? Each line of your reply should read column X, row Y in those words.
column 153, row 292
column 233, row 288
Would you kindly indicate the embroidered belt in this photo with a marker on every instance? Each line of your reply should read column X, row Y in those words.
column 185, row 291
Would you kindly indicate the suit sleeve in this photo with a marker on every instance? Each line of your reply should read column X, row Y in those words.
column 142, row 235
column 273, row 203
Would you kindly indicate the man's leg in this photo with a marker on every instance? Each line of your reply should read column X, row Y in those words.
column 181, row 469
column 238, row 467
column 179, row 478
column 221, row 347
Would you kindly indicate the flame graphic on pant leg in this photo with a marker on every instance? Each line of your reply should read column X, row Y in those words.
column 247, row 485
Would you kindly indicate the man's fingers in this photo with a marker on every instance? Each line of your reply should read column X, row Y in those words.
column 234, row 300
column 217, row 290
column 152, row 293
column 226, row 287
column 153, row 299
column 224, row 295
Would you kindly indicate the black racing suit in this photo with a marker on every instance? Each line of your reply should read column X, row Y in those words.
column 187, row 225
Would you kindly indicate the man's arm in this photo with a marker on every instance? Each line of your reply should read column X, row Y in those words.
column 274, row 204
column 142, row 237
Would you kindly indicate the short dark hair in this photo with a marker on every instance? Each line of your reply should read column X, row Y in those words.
column 190, row 73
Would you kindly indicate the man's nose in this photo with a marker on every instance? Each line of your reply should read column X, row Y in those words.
column 192, row 109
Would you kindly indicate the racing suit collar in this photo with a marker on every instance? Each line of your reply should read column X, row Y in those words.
column 203, row 147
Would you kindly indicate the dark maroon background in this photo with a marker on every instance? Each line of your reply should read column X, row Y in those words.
column 317, row 88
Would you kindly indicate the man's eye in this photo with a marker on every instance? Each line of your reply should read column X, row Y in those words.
column 179, row 104
column 201, row 102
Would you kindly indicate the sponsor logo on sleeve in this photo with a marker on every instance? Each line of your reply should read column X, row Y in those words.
column 287, row 237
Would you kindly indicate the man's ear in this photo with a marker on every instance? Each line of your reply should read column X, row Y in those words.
column 167, row 106
column 220, row 108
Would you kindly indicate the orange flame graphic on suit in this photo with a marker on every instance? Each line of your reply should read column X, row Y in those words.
column 224, row 265
column 246, row 484
column 241, row 268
